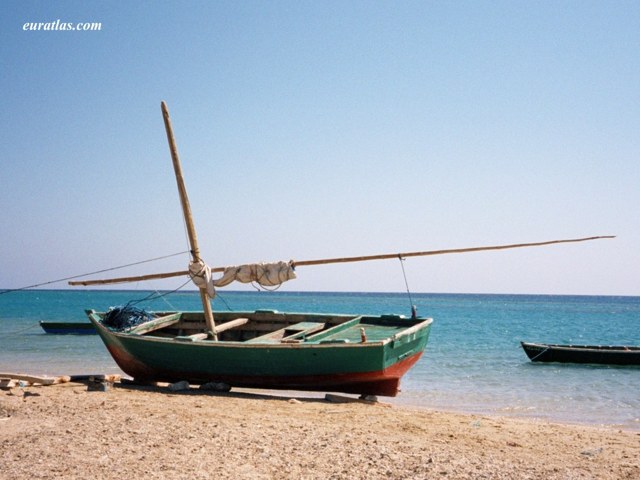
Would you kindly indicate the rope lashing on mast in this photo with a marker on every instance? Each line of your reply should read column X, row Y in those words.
column 264, row 274
column 200, row 274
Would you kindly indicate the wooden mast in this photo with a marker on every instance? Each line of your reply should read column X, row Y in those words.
column 186, row 210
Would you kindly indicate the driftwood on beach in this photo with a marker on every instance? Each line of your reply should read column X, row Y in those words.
column 10, row 380
column 32, row 379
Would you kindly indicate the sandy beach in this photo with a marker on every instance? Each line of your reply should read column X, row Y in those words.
column 66, row 431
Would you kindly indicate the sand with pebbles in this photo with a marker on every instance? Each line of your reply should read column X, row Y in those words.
column 66, row 431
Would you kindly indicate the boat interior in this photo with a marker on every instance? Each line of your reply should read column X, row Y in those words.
column 266, row 326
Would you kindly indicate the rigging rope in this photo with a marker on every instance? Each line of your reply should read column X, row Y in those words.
column 9, row 334
column 219, row 296
column 156, row 295
column 164, row 299
column 404, row 274
column 260, row 287
column 91, row 273
column 543, row 351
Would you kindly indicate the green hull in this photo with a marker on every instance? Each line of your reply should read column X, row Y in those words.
column 275, row 351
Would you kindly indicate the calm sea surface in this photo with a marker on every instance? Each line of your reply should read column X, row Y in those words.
column 473, row 362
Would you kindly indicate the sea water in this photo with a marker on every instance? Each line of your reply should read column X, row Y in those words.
column 473, row 361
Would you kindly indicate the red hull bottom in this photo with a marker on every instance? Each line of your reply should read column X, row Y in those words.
column 384, row 382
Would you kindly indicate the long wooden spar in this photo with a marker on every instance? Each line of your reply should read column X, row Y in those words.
column 188, row 218
column 366, row 258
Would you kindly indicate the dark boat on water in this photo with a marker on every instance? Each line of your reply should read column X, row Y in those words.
column 595, row 354
column 68, row 328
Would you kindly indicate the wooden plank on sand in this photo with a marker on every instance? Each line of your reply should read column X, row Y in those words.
column 86, row 378
column 330, row 397
column 35, row 379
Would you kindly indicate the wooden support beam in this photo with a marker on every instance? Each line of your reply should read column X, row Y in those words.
column 325, row 261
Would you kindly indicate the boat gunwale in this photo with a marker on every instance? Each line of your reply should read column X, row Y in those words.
column 132, row 336
column 583, row 348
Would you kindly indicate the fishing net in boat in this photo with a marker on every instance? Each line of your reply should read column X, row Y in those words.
column 125, row 318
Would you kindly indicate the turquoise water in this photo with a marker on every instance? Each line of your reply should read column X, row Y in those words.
column 473, row 362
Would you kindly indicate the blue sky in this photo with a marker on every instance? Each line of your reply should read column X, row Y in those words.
column 325, row 129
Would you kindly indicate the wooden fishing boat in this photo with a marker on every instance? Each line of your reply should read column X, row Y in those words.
column 366, row 355
column 596, row 354
column 68, row 328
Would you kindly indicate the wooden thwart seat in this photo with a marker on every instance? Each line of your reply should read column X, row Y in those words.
column 191, row 338
column 219, row 328
column 290, row 333
column 231, row 324
column 157, row 324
